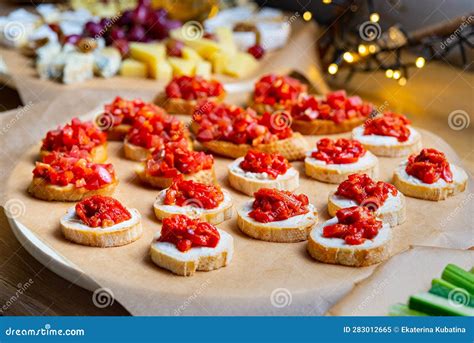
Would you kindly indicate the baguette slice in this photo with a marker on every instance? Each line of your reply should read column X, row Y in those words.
column 207, row 176
column 98, row 154
column 181, row 106
column 113, row 236
column 293, row 148
column 214, row 216
column 336, row 251
column 336, row 173
column 41, row 189
column 261, row 108
column 392, row 211
column 118, row 133
column 440, row 190
column 247, row 185
column 388, row 146
column 324, row 127
column 167, row 256
column 295, row 229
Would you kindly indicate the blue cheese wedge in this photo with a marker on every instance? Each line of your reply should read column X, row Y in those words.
column 107, row 62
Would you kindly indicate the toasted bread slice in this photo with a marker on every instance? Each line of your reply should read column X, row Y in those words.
column 98, row 154
column 181, row 106
column 392, row 211
column 261, row 108
column 293, row 148
column 41, row 189
column 440, row 190
column 336, row 251
column 249, row 185
column 207, row 176
column 118, row 133
column 336, row 173
column 388, row 146
column 134, row 152
column 167, row 256
column 213, row 216
column 113, row 236
column 295, row 229
column 325, row 127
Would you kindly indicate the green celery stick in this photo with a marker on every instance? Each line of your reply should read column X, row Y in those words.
column 459, row 277
column 403, row 310
column 437, row 306
column 447, row 290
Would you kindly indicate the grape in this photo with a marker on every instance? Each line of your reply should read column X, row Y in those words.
column 174, row 48
column 117, row 33
column 125, row 18
column 122, row 46
column 93, row 29
column 140, row 15
column 256, row 51
column 136, row 33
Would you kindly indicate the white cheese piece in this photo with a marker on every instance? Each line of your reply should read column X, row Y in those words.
column 377, row 140
column 391, row 204
column 107, row 62
column 366, row 161
column 78, row 67
column 459, row 176
column 235, row 167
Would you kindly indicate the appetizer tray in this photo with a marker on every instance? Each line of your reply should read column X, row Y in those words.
column 264, row 278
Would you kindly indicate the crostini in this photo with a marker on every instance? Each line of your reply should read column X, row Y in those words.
column 380, row 197
column 101, row 221
column 182, row 94
column 261, row 170
column 232, row 131
column 196, row 200
column 277, row 216
column 428, row 175
column 388, row 135
column 334, row 160
column 164, row 166
column 83, row 135
column 334, row 113
column 71, row 177
column 151, row 134
column 355, row 237
column 275, row 92
column 187, row 245
column 118, row 117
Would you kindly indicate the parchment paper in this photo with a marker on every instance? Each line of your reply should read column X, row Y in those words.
column 395, row 281
column 264, row 278
column 299, row 54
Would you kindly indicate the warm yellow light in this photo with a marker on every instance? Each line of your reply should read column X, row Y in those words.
column 307, row 16
column 402, row 81
column 372, row 48
column 348, row 57
column 420, row 62
column 389, row 73
column 327, row 2
column 374, row 17
column 362, row 50
column 333, row 68
column 396, row 74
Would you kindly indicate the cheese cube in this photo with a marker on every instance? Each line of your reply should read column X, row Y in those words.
column 162, row 71
column 241, row 64
column 203, row 69
column 133, row 68
column 219, row 60
column 191, row 54
column 151, row 54
column 225, row 38
column 181, row 66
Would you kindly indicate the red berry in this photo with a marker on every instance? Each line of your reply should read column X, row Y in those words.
column 256, row 51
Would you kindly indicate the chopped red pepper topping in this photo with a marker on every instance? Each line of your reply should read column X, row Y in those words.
column 429, row 166
column 355, row 225
column 154, row 132
column 274, row 89
column 177, row 160
column 340, row 151
column 186, row 233
column 237, row 125
column 102, row 211
column 261, row 162
column 124, row 111
column 84, row 135
column 61, row 169
column 274, row 205
column 190, row 193
column 193, row 88
column 389, row 124
column 336, row 106
column 362, row 189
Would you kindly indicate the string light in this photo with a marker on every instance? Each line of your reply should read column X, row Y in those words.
column 348, row 57
column 420, row 62
column 389, row 73
column 333, row 68
column 402, row 81
column 362, row 50
column 397, row 74
column 372, row 48
column 374, row 17
column 327, row 2
column 307, row 16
